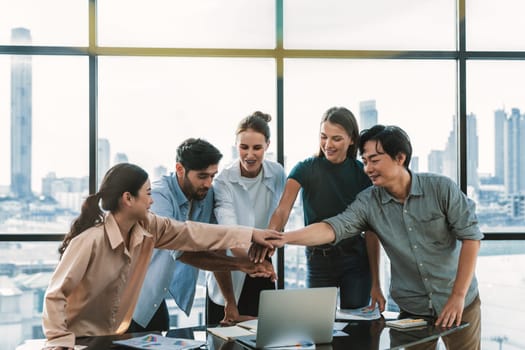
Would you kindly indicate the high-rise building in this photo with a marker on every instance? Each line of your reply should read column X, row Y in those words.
column 514, row 152
column 367, row 114
column 21, row 118
column 499, row 129
column 435, row 161
column 103, row 159
column 472, row 151
column 414, row 164
column 450, row 154
column 120, row 158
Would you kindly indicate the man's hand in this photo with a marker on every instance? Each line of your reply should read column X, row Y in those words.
column 258, row 253
column 452, row 312
column 231, row 315
column 266, row 238
column 263, row 269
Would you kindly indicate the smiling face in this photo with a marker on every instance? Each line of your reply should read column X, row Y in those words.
column 195, row 184
column 382, row 170
column 251, row 146
column 334, row 142
column 142, row 201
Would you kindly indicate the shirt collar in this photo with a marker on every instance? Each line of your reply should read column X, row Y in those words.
column 180, row 197
column 235, row 175
column 115, row 238
column 415, row 189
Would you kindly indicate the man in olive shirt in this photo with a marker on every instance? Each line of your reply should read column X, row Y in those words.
column 428, row 228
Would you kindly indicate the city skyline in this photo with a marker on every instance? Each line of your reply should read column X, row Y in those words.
column 147, row 105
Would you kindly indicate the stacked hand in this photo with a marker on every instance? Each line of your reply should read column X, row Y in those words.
column 264, row 244
column 262, row 269
column 266, row 238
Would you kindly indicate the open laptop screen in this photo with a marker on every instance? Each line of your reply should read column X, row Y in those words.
column 292, row 316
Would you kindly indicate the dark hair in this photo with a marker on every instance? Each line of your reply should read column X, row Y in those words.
column 121, row 178
column 346, row 119
column 257, row 121
column 197, row 154
column 393, row 139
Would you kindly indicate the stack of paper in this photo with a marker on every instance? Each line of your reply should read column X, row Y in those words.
column 364, row 313
column 407, row 323
column 230, row 333
column 156, row 341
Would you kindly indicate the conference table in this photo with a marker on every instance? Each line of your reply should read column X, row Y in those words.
column 359, row 335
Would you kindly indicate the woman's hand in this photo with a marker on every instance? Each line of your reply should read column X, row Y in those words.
column 266, row 238
column 377, row 298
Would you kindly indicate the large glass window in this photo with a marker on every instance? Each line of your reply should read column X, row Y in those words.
column 168, row 70
column 25, row 270
column 501, row 279
column 189, row 24
column 43, row 18
column 369, row 25
column 496, row 143
column 495, row 25
column 44, row 153
column 425, row 108
column 148, row 106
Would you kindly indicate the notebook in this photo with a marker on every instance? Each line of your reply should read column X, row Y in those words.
column 288, row 317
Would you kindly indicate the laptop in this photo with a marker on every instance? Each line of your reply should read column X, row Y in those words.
column 288, row 317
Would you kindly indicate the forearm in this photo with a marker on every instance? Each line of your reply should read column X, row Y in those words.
column 213, row 261
column 314, row 234
column 224, row 281
column 279, row 219
column 466, row 267
column 373, row 250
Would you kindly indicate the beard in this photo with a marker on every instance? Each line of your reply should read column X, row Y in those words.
column 192, row 192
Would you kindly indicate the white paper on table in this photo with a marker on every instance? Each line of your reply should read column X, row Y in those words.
column 363, row 313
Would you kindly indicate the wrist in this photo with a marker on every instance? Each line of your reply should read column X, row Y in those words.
column 458, row 294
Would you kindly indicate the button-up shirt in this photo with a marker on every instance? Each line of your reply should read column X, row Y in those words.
column 164, row 272
column 234, row 207
column 420, row 237
column 96, row 283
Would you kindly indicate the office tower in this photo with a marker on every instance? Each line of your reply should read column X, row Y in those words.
column 472, row 151
column 120, row 158
column 514, row 153
column 102, row 158
column 367, row 114
column 450, row 154
column 499, row 126
column 414, row 164
column 435, row 161
column 21, row 118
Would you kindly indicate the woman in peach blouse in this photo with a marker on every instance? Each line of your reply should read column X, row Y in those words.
column 104, row 257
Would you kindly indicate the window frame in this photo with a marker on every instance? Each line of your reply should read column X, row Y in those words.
column 279, row 54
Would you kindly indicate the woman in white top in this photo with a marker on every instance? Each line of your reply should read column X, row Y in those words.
column 246, row 193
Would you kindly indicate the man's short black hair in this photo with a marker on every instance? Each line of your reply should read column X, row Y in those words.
column 393, row 139
column 197, row 154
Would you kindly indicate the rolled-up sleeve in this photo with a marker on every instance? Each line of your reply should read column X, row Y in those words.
column 352, row 221
column 461, row 215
